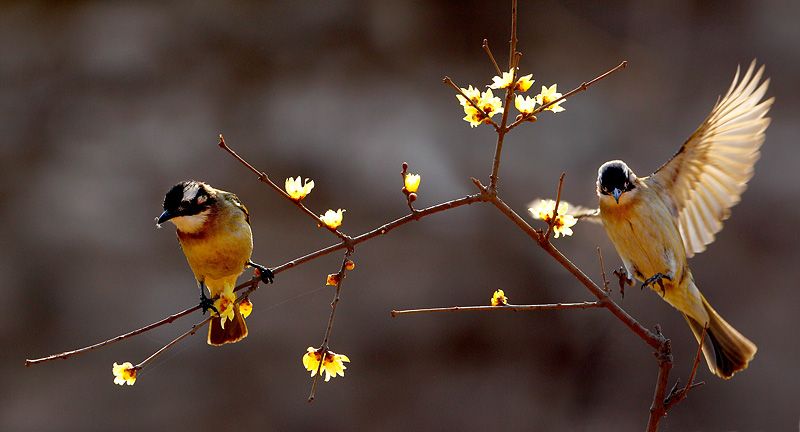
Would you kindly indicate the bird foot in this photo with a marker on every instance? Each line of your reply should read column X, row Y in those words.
column 266, row 274
column 623, row 280
column 657, row 278
column 207, row 303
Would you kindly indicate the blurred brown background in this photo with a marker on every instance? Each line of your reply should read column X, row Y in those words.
column 105, row 105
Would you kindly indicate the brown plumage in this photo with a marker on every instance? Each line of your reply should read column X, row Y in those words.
column 213, row 228
column 656, row 222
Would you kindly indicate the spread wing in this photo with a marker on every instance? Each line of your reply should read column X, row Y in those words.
column 709, row 173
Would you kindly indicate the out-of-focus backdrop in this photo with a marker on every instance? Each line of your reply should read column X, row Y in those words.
column 105, row 105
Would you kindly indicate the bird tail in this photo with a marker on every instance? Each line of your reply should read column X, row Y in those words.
column 234, row 331
column 729, row 351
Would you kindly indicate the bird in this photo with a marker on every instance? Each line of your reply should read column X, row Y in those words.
column 213, row 228
column 657, row 222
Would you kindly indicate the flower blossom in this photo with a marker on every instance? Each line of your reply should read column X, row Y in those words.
column 525, row 104
column 563, row 221
column 224, row 305
column 549, row 95
column 124, row 373
column 488, row 103
column 499, row 298
column 332, row 219
column 332, row 364
column 246, row 307
column 298, row 190
column 504, row 82
column 412, row 182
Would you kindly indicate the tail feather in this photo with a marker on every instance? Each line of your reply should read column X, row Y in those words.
column 729, row 351
column 234, row 331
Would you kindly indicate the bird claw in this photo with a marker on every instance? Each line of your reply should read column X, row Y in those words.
column 657, row 278
column 207, row 303
column 623, row 280
column 267, row 276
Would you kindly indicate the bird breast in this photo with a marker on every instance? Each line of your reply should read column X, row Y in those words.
column 644, row 232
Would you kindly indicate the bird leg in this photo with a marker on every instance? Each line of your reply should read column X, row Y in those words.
column 659, row 279
column 266, row 274
column 205, row 302
column 623, row 279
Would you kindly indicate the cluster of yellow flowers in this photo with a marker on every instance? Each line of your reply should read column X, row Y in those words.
column 332, row 364
column 224, row 305
column 563, row 222
column 480, row 107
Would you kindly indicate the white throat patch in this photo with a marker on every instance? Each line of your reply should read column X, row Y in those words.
column 191, row 224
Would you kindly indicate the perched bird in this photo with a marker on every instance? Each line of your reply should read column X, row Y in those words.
column 213, row 228
column 656, row 222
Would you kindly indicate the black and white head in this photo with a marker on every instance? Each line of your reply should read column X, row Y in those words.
column 187, row 205
column 614, row 178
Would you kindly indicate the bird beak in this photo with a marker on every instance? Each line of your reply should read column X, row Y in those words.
column 616, row 195
column 164, row 217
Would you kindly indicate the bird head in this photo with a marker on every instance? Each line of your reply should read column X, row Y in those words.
column 187, row 205
column 614, row 178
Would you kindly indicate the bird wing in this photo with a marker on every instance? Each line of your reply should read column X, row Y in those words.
column 576, row 211
column 709, row 173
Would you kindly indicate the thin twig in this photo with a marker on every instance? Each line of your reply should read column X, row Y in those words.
column 553, row 220
column 502, row 130
column 262, row 177
column 324, row 348
column 513, row 42
column 580, row 88
column 146, row 328
column 603, row 270
column 491, row 57
column 486, row 118
column 508, row 307
column 657, row 409
column 675, row 397
column 655, row 341
column 191, row 331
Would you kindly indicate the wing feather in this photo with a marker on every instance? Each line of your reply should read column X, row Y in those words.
column 709, row 173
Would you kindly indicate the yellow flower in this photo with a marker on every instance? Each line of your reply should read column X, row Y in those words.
column 349, row 265
column 296, row 189
column 332, row 219
column 332, row 365
column 311, row 360
column 333, row 279
column 563, row 221
column 548, row 95
column 474, row 117
column 246, row 307
column 523, row 83
column 499, row 298
column 224, row 305
column 486, row 101
column 489, row 103
column 472, row 93
column 525, row 104
column 124, row 373
column 412, row 182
